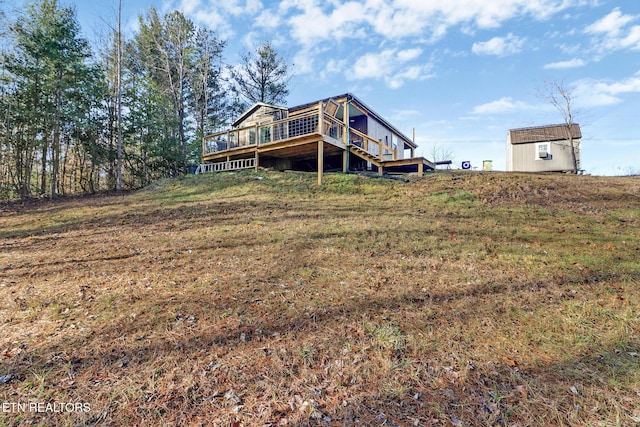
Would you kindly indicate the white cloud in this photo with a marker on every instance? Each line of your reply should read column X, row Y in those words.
column 612, row 32
column 415, row 72
column 572, row 63
column 610, row 24
column 499, row 46
column 392, row 66
column 398, row 115
column 304, row 61
column 268, row 19
column 374, row 65
column 409, row 54
column 313, row 24
column 594, row 93
column 404, row 18
column 503, row 105
column 188, row 6
column 571, row 49
column 251, row 39
column 218, row 15
column 239, row 7
column 314, row 21
column 332, row 67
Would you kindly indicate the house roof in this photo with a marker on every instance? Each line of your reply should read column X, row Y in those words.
column 252, row 110
column 362, row 105
column 544, row 133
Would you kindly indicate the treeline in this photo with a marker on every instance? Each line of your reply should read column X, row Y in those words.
column 74, row 120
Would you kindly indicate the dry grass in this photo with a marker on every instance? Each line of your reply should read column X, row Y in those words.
column 260, row 299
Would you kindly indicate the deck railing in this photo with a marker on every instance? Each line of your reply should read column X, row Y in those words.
column 371, row 146
column 227, row 166
column 294, row 127
column 291, row 127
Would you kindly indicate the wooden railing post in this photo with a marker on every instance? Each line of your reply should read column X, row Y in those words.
column 320, row 118
column 347, row 134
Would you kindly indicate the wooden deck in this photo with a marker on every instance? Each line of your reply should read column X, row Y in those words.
column 308, row 136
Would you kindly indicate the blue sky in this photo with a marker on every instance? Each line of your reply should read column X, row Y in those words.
column 461, row 72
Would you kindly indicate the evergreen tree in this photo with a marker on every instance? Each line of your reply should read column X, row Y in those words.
column 169, row 53
column 49, row 69
column 263, row 76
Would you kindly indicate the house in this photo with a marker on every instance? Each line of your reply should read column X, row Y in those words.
column 340, row 133
column 543, row 148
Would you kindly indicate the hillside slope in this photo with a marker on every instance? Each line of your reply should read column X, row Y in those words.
column 258, row 298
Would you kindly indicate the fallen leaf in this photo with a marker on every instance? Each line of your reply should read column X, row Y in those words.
column 511, row 362
column 521, row 390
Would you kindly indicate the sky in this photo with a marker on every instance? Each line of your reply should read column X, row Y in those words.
column 461, row 73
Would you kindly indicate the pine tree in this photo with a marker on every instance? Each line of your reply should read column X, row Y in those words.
column 263, row 76
column 49, row 66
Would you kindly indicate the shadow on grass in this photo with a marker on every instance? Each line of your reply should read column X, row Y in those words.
column 195, row 333
column 201, row 345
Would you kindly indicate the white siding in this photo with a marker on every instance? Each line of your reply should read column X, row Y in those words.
column 524, row 157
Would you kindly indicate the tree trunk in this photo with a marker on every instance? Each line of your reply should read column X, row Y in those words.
column 183, row 141
column 43, row 171
column 119, row 101
column 55, row 147
column 574, row 158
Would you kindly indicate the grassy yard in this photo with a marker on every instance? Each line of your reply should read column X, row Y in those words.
column 261, row 299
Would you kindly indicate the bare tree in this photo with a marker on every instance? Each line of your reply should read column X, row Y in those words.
column 561, row 97
column 440, row 152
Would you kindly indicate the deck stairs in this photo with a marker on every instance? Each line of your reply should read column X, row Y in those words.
column 364, row 154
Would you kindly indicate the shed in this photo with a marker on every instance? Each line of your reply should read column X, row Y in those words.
column 543, row 148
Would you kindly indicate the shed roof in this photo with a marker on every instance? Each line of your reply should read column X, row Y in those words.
column 544, row 133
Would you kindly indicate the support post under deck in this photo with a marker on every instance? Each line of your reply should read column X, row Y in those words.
column 320, row 161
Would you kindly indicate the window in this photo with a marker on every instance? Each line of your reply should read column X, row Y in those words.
column 265, row 134
column 543, row 151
